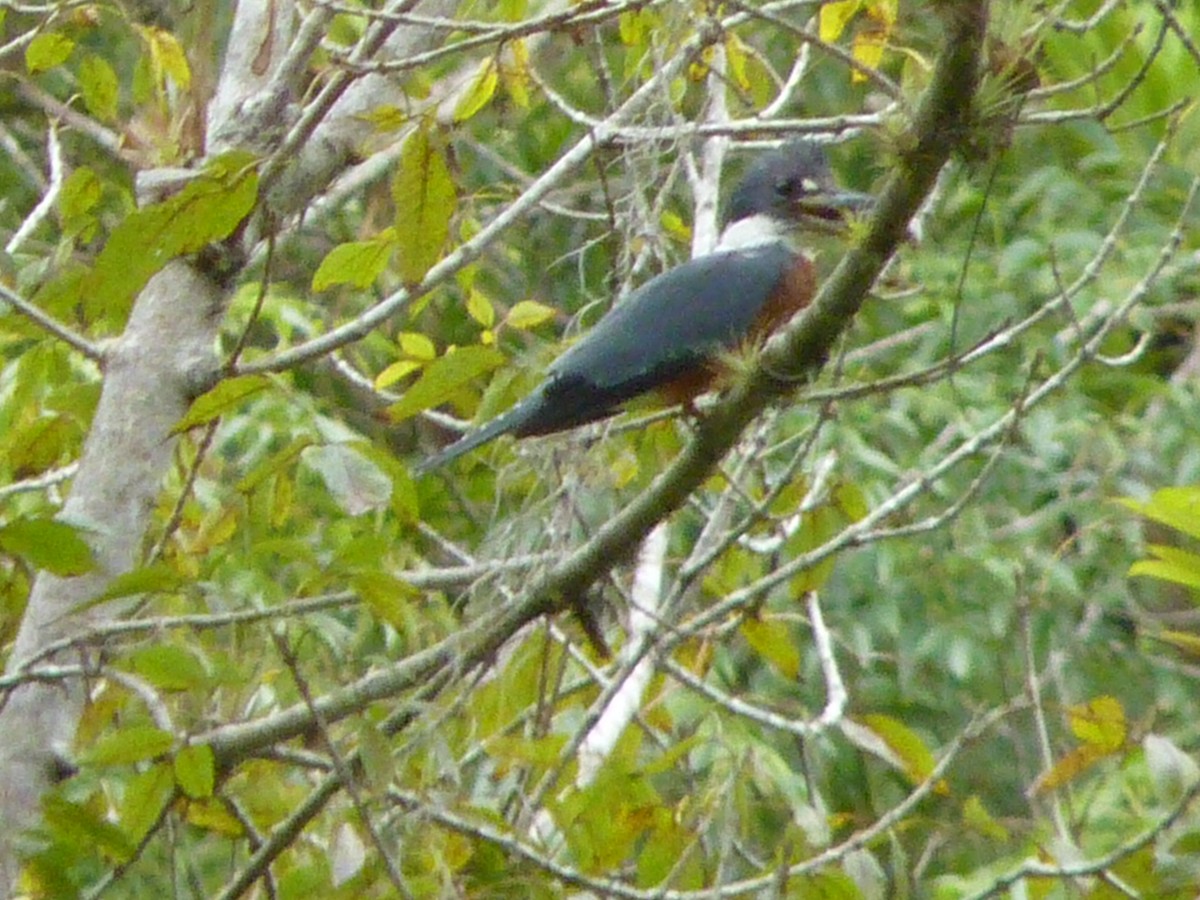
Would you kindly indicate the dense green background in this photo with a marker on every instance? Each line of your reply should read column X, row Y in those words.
column 1012, row 626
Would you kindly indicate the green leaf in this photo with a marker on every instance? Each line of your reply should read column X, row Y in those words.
column 480, row 92
column 375, row 751
column 542, row 752
column 155, row 578
column 129, row 745
column 358, row 263
column 208, row 209
column 47, row 544
column 273, row 465
column 443, row 378
column 425, row 197
column 195, row 771
column 916, row 758
column 976, row 816
column 47, row 50
column 816, row 527
column 388, row 597
column 40, row 443
column 405, row 503
column 77, row 201
column 773, row 641
column 659, row 858
column 87, row 826
column 168, row 667
column 849, row 498
column 227, row 395
column 98, row 83
column 146, row 793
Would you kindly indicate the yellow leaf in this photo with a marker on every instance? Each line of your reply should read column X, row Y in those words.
column 211, row 815
column 1100, row 723
column 528, row 314
column 480, row 308
column 395, row 372
column 416, row 346
column 1066, row 769
column 634, row 27
column 481, row 91
column 1171, row 564
column 1183, row 641
column 884, row 11
column 386, row 118
column 675, row 227
column 735, row 55
column 516, row 73
column 699, row 69
column 868, row 50
column 1175, row 507
column 166, row 57
column 835, row 17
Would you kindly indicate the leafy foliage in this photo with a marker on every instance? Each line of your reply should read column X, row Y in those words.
column 890, row 648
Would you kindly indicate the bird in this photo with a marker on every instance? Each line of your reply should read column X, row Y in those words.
column 667, row 337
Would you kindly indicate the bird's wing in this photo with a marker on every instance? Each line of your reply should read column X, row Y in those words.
column 664, row 330
column 676, row 320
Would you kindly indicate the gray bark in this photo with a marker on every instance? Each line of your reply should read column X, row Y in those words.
column 166, row 351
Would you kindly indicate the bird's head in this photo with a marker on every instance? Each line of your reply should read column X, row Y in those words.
column 788, row 190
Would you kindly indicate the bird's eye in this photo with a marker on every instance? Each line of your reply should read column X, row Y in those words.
column 796, row 185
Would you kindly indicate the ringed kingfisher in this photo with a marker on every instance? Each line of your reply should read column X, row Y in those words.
column 667, row 337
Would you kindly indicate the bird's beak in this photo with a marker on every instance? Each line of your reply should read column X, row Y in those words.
column 830, row 210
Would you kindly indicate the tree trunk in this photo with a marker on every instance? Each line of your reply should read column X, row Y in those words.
column 151, row 374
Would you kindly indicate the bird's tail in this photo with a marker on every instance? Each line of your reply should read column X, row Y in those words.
column 505, row 423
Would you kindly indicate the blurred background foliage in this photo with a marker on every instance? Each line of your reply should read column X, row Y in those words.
column 306, row 494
